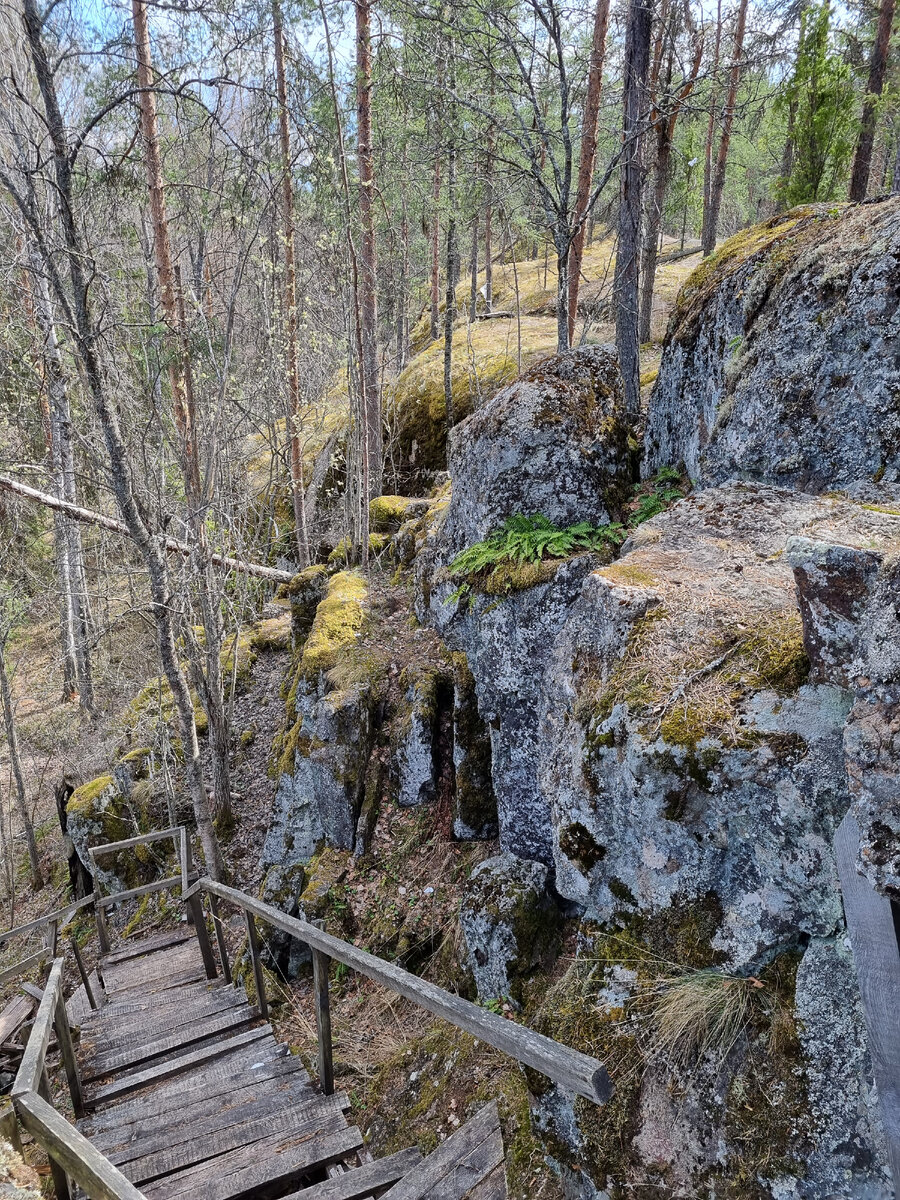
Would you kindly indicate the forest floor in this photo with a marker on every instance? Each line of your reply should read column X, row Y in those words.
column 405, row 892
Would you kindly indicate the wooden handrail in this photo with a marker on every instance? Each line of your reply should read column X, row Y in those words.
column 24, row 964
column 61, row 915
column 569, row 1068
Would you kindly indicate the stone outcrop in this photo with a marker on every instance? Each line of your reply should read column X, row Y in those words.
column 508, row 922
column 554, row 442
column 850, row 600
column 780, row 359
column 323, row 754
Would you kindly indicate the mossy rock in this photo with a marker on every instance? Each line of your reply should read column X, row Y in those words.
column 323, row 874
column 304, row 592
column 137, row 762
column 388, row 513
column 272, row 634
column 378, row 543
column 338, row 622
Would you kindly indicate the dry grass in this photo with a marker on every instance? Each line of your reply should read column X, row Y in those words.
column 697, row 1015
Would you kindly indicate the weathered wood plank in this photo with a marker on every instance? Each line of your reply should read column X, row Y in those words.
column 150, row 1019
column 14, row 1016
column 281, row 1161
column 462, row 1161
column 360, row 1182
column 141, row 839
column 207, row 1084
column 175, row 1066
column 159, row 941
column 491, row 1188
column 24, row 964
column 31, row 1068
column 195, row 1106
column 75, row 1154
column 62, row 915
column 566, row 1066
column 314, row 1118
column 126, row 1057
column 876, row 957
column 259, row 979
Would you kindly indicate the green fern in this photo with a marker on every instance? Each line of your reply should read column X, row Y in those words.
column 522, row 540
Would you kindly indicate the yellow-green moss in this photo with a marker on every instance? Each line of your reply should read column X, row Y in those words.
column 387, row 513
column 337, row 625
column 628, row 573
column 516, row 577
column 82, row 802
column 272, row 634
column 779, row 240
column 341, row 553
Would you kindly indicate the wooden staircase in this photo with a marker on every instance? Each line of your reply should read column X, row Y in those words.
column 188, row 1093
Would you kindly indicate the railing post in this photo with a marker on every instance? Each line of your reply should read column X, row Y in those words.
column 321, row 963
column 67, row 1053
column 9, row 1127
column 85, row 978
column 60, row 1178
column 195, row 910
column 220, row 937
column 100, row 917
column 52, row 936
column 256, row 962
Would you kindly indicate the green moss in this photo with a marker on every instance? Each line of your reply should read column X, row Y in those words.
column 629, row 574
column 517, row 577
column 83, row 801
column 272, row 634
column 378, row 543
column 337, row 625
column 388, row 513
column 137, row 760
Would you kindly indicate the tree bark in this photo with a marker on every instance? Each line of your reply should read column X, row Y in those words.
column 436, row 248
column 172, row 301
column 86, row 339
column 368, row 279
column 588, row 154
column 451, row 272
column 862, row 159
column 73, row 578
column 665, row 136
column 637, row 61
column 298, row 485
column 718, row 181
column 87, row 516
column 711, row 124
column 473, row 271
column 15, row 761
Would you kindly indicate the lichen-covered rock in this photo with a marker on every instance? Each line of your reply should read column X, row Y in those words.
column 848, row 1157
column 282, row 888
column 780, row 360
column 554, row 442
column 508, row 922
column 305, row 592
column 18, row 1181
column 474, row 802
column 683, row 749
column 415, row 753
column 849, row 599
column 98, row 812
column 323, row 752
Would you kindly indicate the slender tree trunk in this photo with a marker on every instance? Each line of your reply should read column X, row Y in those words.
column 171, row 300
column 403, row 289
column 862, row 160
column 895, row 183
column 488, row 243
column 637, row 61
column 15, row 761
column 298, row 485
column 718, row 180
column 473, row 271
column 665, row 136
column 711, row 124
column 451, row 271
column 86, row 339
column 436, row 248
column 588, row 154
column 368, row 272
column 71, row 557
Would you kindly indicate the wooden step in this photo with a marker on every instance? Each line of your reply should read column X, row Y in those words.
column 461, row 1164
